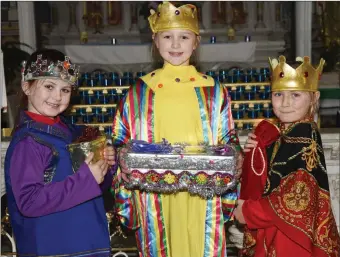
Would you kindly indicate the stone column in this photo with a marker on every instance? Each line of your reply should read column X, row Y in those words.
column 27, row 32
column 303, row 33
column 251, row 10
column 104, row 6
column 206, row 15
column 259, row 15
column 268, row 13
column 126, row 16
column 134, row 12
column 80, row 15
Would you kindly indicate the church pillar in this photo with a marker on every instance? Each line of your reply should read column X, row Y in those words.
column 27, row 33
column 303, row 33
column 206, row 15
column 126, row 16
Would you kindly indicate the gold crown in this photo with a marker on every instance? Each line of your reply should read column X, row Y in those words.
column 169, row 17
column 303, row 78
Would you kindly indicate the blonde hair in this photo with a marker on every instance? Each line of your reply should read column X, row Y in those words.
column 315, row 104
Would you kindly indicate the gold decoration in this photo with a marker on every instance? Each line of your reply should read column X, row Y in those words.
column 310, row 155
column 169, row 17
column 79, row 151
column 298, row 198
column 303, row 78
column 231, row 33
column 84, row 37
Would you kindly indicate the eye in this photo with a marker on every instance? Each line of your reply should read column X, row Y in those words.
column 277, row 94
column 66, row 90
column 166, row 36
column 185, row 37
column 49, row 87
column 296, row 94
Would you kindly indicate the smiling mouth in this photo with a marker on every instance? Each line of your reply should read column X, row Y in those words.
column 53, row 105
column 174, row 54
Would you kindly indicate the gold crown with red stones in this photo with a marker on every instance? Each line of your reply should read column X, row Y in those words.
column 40, row 69
column 303, row 78
column 170, row 17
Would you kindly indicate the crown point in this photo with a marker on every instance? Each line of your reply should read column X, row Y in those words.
column 282, row 59
column 306, row 59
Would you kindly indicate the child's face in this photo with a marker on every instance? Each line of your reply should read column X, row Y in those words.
column 291, row 106
column 48, row 97
column 176, row 45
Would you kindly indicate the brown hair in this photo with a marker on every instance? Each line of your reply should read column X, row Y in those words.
column 51, row 55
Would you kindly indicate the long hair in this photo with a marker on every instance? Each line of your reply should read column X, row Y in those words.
column 51, row 55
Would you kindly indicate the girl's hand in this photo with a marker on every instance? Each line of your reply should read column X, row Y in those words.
column 250, row 143
column 238, row 212
column 98, row 169
column 123, row 168
column 109, row 155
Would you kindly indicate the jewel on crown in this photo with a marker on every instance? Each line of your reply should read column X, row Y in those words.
column 41, row 69
column 303, row 78
column 169, row 16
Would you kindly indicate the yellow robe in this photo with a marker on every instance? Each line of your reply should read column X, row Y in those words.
column 181, row 123
column 191, row 230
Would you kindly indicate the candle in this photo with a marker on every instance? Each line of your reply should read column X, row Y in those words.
column 109, row 7
column 85, row 8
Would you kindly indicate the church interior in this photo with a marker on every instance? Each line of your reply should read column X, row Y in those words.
column 111, row 41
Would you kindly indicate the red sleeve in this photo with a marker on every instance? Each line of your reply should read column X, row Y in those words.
column 256, row 214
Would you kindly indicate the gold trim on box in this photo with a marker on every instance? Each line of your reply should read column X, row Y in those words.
column 79, row 151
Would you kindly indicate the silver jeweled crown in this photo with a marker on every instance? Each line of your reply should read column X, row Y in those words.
column 41, row 69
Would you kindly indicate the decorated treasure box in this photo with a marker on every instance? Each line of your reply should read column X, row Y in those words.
column 164, row 168
column 91, row 140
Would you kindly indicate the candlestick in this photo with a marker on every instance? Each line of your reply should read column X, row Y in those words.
column 85, row 8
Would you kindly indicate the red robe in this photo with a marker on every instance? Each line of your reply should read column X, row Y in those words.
column 254, row 170
column 294, row 216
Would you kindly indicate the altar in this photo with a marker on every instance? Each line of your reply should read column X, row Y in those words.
column 138, row 57
column 266, row 24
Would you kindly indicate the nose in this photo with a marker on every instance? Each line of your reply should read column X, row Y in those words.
column 285, row 100
column 175, row 43
column 57, row 95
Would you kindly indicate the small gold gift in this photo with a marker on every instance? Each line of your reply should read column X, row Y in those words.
column 79, row 151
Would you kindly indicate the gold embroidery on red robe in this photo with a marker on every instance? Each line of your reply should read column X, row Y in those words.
column 301, row 203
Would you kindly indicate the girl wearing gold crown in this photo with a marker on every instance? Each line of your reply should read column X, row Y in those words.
column 181, row 105
column 293, row 217
column 54, row 210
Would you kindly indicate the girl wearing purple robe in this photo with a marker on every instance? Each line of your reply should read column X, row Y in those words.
column 54, row 210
